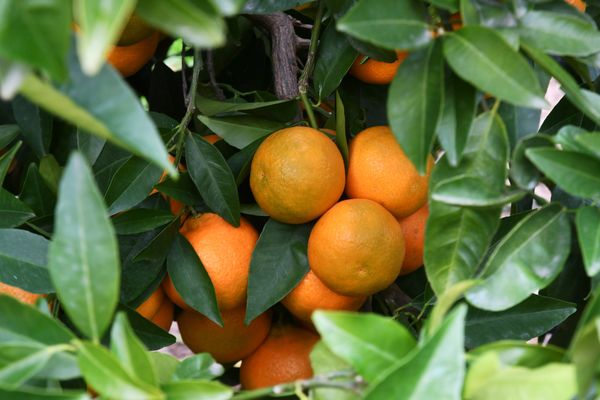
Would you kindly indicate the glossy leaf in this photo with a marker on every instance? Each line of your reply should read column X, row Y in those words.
column 341, row 138
column 183, row 189
column 241, row 161
column 131, row 352
column 522, row 171
column 559, row 34
column 533, row 317
column 8, row 133
column 28, row 393
column 13, row 212
column 83, row 257
column 587, row 222
column 574, row 172
column 19, row 363
column 199, row 366
column 184, row 390
column 36, row 193
column 480, row 56
column 324, row 361
column 392, row 24
column 415, row 102
column 519, row 121
column 210, row 107
column 213, row 178
column 35, row 125
column 158, row 247
column 228, row 7
column 268, row 6
column 151, row 335
column 522, row 354
column 195, row 22
column 191, row 279
column 103, row 105
column 102, row 371
column 100, row 25
column 140, row 220
column 334, row 58
column 435, row 371
column 473, row 192
column 278, row 264
column 368, row 342
column 585, row 355
column 527, row 259
column 165, row 365
column 6, row 160
column 591, row 142
column 36, row 34
column 241, row 130
column 457, row 116
column 131, row 184
column 23, row 260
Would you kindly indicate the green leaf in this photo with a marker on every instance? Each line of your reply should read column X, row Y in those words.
column 590, row 141
column 83, row 257
column 6, row 160
column 450, row 5
column 165, row 365
column 140, row 220
column 519, row 353
column 587, row 222
column 8, row 133
column 334, row 58
column 36, row 34
column 341, row 139
column 131, row 184
column 22, row 323
column 35, row 125
column 158, row 247
column 240, row 130
column 50, row 171
column 533, row 317
column 560, row 34
column 392, row 24
column 519, row 121
column 36, row 193
column 91, row 146
column 587, row 102
column 228, row 7
column 268, row 6
column 210, row 107
column 199, row 366
column 13, row 212
column 473, row 192
column 201, row 390
column 41, row 394
column 527, row 259
column 435, row 371
column 480, row 56
column 103, row 372
column 241, row 161
column 415, row 102
column 153, row 336
column 279, row 262
column 182, row 189
column 103, row 105
column 572, row 171
column 100, row 25
column 131, row 352
column 324, row 361
column 19, row 362
column 23, row 260
column 457, row 116
column 191, row 279
column 585, row 355
column 195, row 22
column 522, row 171
column 368, row 342
column 213, row 178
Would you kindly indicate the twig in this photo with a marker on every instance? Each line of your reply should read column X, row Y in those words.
column 210, row 67
column 184, row 84
column 39, row 230
column 191, row 108
column 310, row 64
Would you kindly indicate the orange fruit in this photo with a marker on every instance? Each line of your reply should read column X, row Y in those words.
column 578, row 4
column 456, row 21
column 297, row 174
column 356, row 248
column 283, row 357
column 376, row 72
column 229, row 343
column 379, row 170
column 212, row 139
column 135, row 31
column 225, row 252
column 130, row 59
column 19, row 294
column 158, row 309
column 413, row 230
column 311, row 294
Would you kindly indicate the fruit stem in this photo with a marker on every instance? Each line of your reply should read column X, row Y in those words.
column 191, row 108
column 310, row 64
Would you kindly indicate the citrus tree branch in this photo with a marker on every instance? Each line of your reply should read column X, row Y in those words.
column 191, row 108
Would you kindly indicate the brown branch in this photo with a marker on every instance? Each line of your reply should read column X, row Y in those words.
column 210, row 67
column 283, row 52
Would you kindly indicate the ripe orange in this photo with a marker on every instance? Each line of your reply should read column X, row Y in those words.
column 225, row 252
column 356, row 248
column 379, row 170
column 297, row 174
column 19, row 294
column 413, row 229
column 311, row 294
column 229, row 343
column 376, row 72
column 135, row 30
column 283, row 357
column 130, row 59
column 578, row 4
column 158, row 309
column 212, row 139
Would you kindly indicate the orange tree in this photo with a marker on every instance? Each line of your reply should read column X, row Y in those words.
column 129, row 198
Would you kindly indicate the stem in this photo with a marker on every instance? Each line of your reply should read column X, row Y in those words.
column 191, row 108
column 310, row 64
column 39, row 230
